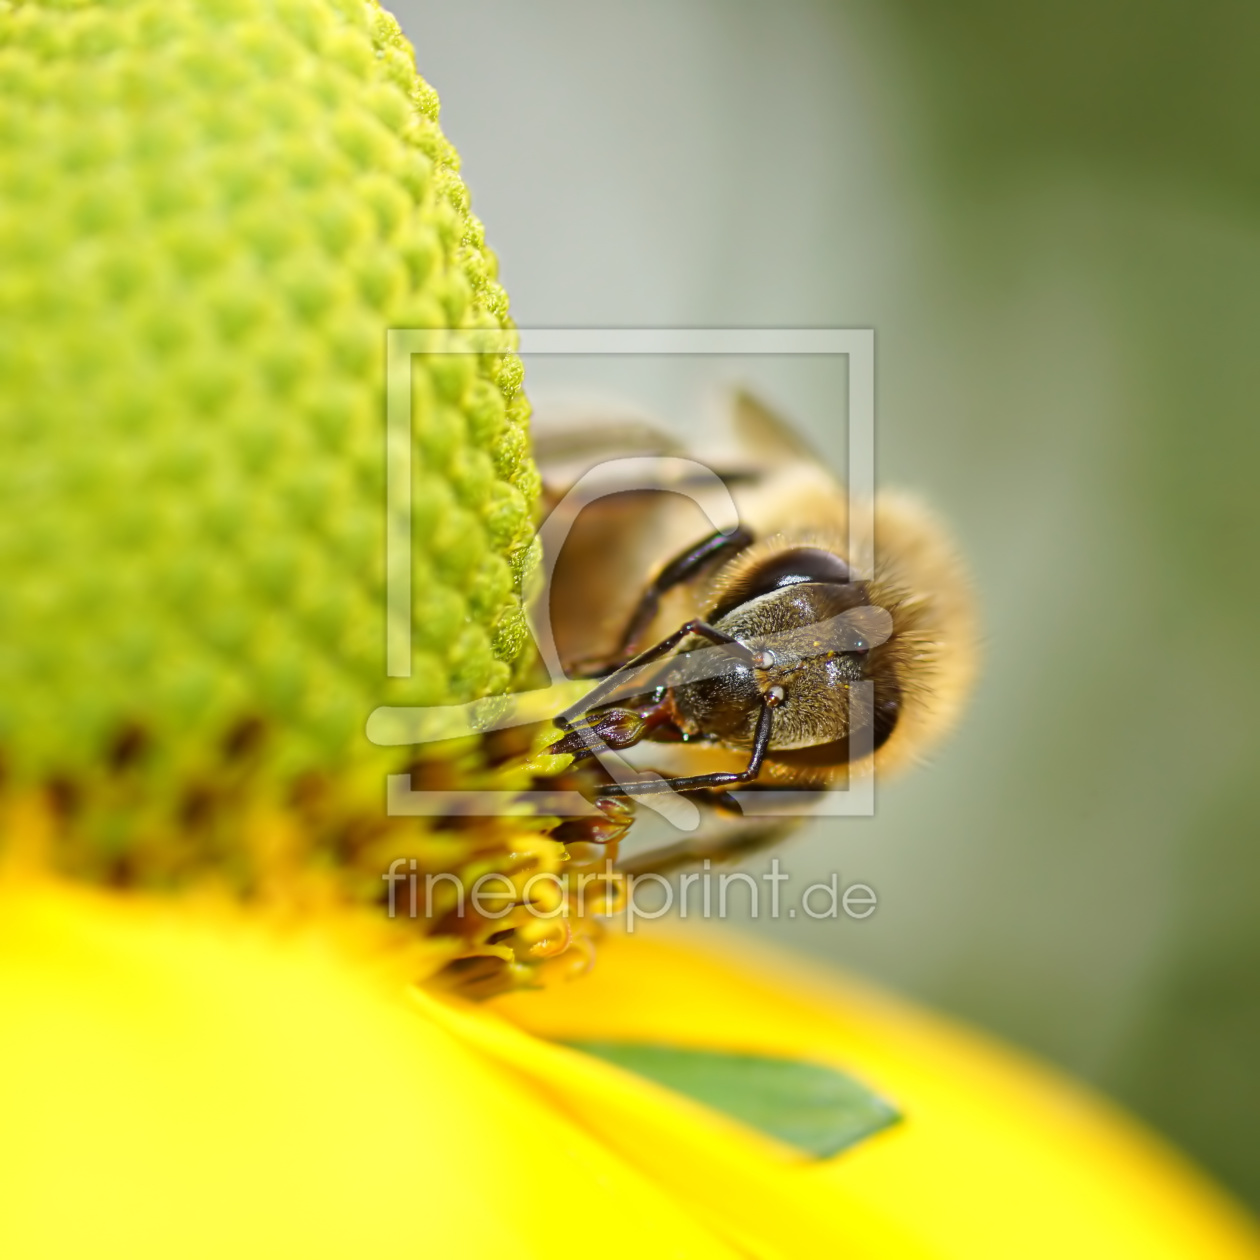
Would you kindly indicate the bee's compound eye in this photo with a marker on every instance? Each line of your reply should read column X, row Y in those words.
column 783, row 569
column 800, row 564
column 887, row 711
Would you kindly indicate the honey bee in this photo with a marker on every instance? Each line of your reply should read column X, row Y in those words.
column 738, row 655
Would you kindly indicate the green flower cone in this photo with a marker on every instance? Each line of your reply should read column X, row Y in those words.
column 212, row 214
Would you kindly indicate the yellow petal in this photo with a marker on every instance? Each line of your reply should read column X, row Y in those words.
column 178, row 1078
column 179, row 1084
column 996, row 1158
column 748, row 1189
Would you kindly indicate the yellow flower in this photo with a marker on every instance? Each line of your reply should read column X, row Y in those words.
column 995, row 1157
column 185, row 1079
column 212, row 1042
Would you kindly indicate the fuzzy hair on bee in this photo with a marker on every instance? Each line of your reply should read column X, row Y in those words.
column 733, row 658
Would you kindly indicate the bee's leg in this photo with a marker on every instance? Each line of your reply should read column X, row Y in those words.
column 609, row 684
column 681, row 568
column 695, row 782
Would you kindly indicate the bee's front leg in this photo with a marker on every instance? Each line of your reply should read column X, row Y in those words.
column 722, row 779
column 598, row 694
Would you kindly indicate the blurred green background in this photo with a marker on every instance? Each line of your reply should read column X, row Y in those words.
column 1051, row 216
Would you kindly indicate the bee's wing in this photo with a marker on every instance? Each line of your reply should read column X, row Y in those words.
column 751, row 445
column 763, row 436
column 782, row 486
column 613, row 545
column 571, row 439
